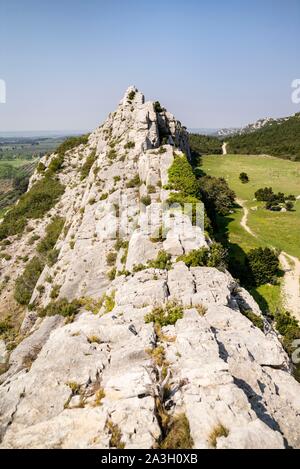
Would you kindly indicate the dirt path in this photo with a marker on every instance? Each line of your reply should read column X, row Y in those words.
column 290, row 266
column 224, row 148
column 245, row 217
column 291, row 283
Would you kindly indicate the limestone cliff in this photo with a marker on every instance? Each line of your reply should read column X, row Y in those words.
column 95, row 369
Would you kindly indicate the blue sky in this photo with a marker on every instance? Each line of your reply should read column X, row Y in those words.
column 212, row 63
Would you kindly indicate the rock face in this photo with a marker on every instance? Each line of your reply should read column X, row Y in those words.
column 76, row 383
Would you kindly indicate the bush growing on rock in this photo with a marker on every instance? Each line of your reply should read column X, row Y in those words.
column 157, row 107
column 134, row 182
column 33, row 204
column 182, row 177
column 146, row 200
column 129, row 145
column 215, row 256
column 62, row 308
column 26, row 282
column 71, row 143
column 111, row 258
column 163, row 261
column 53, row 232
column 166, row 315
column 85, row 170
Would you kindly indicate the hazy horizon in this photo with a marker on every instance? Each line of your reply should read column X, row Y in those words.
column 212, row 64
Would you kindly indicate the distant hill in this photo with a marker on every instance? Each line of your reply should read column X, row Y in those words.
column 276, row 137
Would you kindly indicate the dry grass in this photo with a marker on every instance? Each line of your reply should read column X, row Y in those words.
column 178, row 435
column 100, row 394
column 115, row 435
column 201, row 309
column 218, row 432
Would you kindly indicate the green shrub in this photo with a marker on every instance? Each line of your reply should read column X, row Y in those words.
column 40, row 167
column 85, row 170
column 151, row 189
column 129, row 145
column 182, row 177
column 244, row 178
column 131, row 96
column 112, row 154
column 55, row 165
column 111, row 275
column 109, row 302
column 111, row 258
column 33, row 239
column 163, row 261
column 121, row 244
column 289, row 328
column 215, row 256
column 53, row 231
column 256, row 320
column 157, row 107
column 263, row 265
column 166, row 315
column 61, row 308
column 146, row 200
column 139, row 268
column 134, row 182
column 33, row 204
column 217, row 196
column 26, row 282
column 5, row 327
column 55, row 292
column 103, row 196
column 162, row 150
column 71, row 143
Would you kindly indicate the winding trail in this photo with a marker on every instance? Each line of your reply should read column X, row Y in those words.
column 290, row 266
column 245, row 217
column 224, row 148
column 291, row 283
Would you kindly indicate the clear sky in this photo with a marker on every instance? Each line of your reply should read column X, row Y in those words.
column 212, row 63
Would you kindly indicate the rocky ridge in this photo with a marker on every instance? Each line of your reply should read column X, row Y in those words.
column 107, row 376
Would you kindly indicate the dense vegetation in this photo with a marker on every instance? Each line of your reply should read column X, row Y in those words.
column 217, row 196
column 214, row 256
column 85, row 170
column 280, row 139
column 71, row 143
column 275, row 202
column 33, row 204
column 205, row 145
column 14, row 179
column 46, row 254
column 262, row 266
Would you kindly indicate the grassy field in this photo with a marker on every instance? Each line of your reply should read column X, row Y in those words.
column 281, row 230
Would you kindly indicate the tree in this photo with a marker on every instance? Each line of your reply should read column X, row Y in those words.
column 289, row 206
column 217, row 196
column 263, row 265
column 244, row 178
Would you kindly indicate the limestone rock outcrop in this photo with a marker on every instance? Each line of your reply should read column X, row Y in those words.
column 71, row 382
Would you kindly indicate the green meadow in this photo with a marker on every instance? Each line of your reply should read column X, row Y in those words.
column 281, row 230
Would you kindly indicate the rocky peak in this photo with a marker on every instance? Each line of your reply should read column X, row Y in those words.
column 121, row 337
